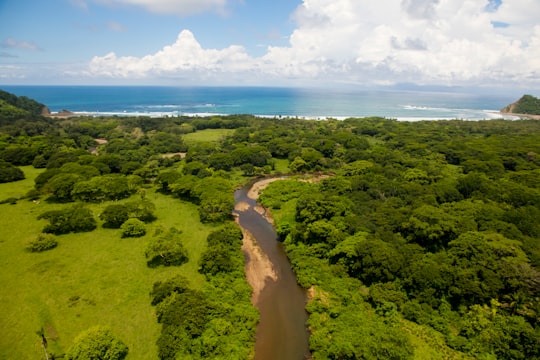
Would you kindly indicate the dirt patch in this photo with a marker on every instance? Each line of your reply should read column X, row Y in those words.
column 171, row 155
column 242, row 206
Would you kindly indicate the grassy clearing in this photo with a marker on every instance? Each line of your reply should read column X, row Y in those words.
column 18, row 189
column 207, row 135
column 281, row 165
column 89, row 279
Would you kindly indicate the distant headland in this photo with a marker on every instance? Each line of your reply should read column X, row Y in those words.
column 527, row 106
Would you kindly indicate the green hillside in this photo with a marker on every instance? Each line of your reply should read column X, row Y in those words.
column 527, row 105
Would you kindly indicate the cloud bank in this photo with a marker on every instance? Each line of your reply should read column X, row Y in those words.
column 443, row 42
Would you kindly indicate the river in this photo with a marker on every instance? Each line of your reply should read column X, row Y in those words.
column 281, row 332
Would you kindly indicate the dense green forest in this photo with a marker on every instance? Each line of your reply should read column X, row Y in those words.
column 421, row 239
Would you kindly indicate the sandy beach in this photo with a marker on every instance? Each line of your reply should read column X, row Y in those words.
column 523, row 116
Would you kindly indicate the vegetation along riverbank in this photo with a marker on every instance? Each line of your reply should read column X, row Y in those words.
column 424, row 242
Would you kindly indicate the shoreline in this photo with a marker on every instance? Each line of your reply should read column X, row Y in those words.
column 523, row 116
column 490, row 115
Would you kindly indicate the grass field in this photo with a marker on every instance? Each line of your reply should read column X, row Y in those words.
column 94, row 278
column 207, row 135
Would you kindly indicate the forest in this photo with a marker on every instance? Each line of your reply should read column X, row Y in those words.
column 421, row 239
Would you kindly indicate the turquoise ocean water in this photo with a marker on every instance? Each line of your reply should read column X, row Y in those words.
column 264, row 101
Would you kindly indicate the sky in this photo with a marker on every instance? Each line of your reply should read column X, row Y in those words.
column 416, row 43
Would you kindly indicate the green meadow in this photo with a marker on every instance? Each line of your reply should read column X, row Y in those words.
column 207, row 135
column 95, row 278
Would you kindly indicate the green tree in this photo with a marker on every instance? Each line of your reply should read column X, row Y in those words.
column 114, row 215
column 9, row 173
column 74, row 219
column 431, row 227
column 487, row 266
column 61, row 186
column 133, row 228
column 163, row 289
column 217, row 208
column 141, row 209
column 166, row 249
column 97, row 343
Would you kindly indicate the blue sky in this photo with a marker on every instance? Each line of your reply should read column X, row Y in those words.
column 77, row 30
column 476, row 43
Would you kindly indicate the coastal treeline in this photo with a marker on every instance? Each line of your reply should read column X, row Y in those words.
column 419, row 240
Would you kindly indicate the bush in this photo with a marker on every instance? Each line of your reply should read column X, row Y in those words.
column 133, row 228
column 42, row 243
column 97, row 343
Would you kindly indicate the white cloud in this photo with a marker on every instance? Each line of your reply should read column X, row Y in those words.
column 178, row 7
column 184, row 57
column 446, row 42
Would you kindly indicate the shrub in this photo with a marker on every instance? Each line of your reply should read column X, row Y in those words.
column 42, row 243
column 133, row 228
column 97, row 343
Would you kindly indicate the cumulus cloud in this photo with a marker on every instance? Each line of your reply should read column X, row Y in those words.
column 178, row 7
column 447, row 42
column 184, row 57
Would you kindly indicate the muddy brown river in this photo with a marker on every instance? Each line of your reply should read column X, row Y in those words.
column 281, row 332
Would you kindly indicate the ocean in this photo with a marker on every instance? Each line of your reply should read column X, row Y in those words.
column 159, row 101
